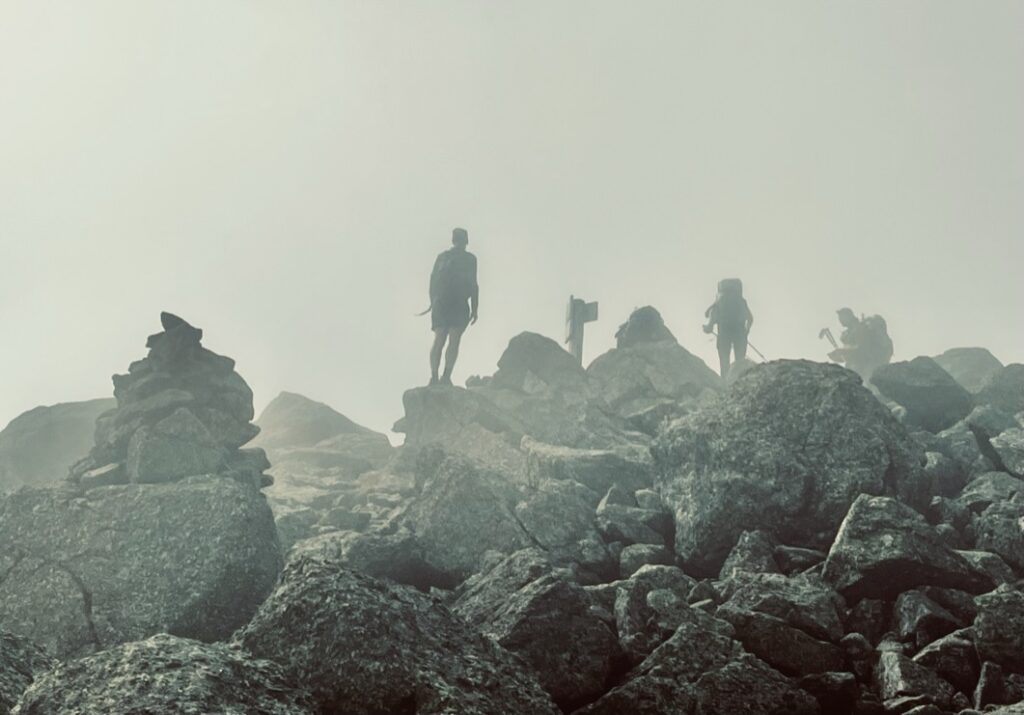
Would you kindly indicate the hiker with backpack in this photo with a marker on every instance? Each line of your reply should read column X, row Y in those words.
column 866, row 343
column 454, row 301
column 731, row 314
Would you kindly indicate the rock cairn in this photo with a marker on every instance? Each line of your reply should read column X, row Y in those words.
column 181, row 411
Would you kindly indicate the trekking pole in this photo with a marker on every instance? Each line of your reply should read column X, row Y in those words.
column 759, row 353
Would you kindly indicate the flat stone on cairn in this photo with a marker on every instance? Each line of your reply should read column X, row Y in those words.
column 182, row 411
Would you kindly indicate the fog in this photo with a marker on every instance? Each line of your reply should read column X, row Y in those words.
column 283, row 174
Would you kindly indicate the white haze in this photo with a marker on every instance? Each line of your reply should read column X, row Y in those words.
column 283, row 173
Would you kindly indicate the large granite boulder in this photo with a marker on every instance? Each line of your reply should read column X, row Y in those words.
column 932, row 398
column 702, row 670
column 82, row 573
column 21, row 661
column 884, row 548
column 970, row 367
column 785, row 450
column 166, row 675
column 535, row 364
column 293, row 421
column 181, row 411
column 1004, row 390
column 363, row 646
column 40, row 445
column 647, row 366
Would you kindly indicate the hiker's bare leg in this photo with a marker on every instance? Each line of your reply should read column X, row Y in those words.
column 724, row 348
column 454, row 340
column 440, row 335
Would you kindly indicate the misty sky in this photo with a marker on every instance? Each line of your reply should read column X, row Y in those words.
column 282, row 174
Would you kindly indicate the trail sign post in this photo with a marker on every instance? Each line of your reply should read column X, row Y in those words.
column 578, row 314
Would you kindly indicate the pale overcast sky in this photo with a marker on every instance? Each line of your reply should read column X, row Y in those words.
column 282, row 174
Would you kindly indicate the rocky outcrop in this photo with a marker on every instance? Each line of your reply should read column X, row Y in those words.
column 21, row 661
column 39, row 446
column 932, row 398
column 82, row 573
column 363, row 646
column 181, row 411
column 648, row 367
column 970, row 367
column 785, row 450
column 165, row 674
column 1004, row 390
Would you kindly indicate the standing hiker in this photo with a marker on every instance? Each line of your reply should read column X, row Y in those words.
column 732, row 315
column 454, row 300
column 866, row 343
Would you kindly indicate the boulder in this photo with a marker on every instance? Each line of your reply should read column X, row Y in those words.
column 884, row 548
column 165, row 674
column 39, row 446
column 988, row 489
column 1000, row 530
column 992, row 565
column 463, row 511
column 477, row 597
column 785, row 450
column 631, row 524
column 1004, row 390
column 897, row 676
column 648, row 366
column 920, row 620
column 754, row 553
column 1009, row 445
column 549, row 624
column 636, row 556
column 598, row 469
column 557, row 515
column 292, row 421
column 362, row 646
column 932, row 398
column 21, row 661
column 648, row 608
column 999, row 628
column 803, row 602
column 954, row 658
column 716, row 677
column 787, row 649
column 535, row 364
column 970, row 367
column 82, row 573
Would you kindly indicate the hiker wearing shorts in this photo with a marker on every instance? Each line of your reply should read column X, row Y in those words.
column 454, row 301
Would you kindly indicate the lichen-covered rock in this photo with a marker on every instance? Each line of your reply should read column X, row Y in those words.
column 954, row 658
column 999, row 530
column 1009, row 445
column 21, row 661
column 363, row 646
column 699, row 670
column 787, row 649
column 39, row 446
column 932, row 398
column 753, row 553
column 999, row 628
column 897, row 676
column 884, row 548
column 970, row 367
column 121, row 563
column 549, row 623
column 165, row 674
column 1004, row 390
column 920, row 620
column 803, row 602
column 786, row 450
column 597, row 469
column 645, row 622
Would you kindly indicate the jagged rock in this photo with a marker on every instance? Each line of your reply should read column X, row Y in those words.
column 999, row 628
column 970, row 367
column 165, row 674
column 803, row 602
column 897, row 676
column 992, row 688
column 932, row 398
column 953, row 658
column 636, row 556
column 462, row 512
column 1000, row 531
column 717, row 677
column 959, row 603
column 754, row 552
column 558, row 515
column 597, row 469
column 363, row 646
column 533, row 363
column 477, row 596
column 177, row 446
column 793, row 559
column 884, row 548
column 787, row 649
column 648, row 366
column 631, row 524
column 291, row 421
column 1009, row 445
column 40, row 445
column 920, row 620
column 787, row 450
column 194, row 558
column 962, row 443
column 549, row 623
column 1004, row 390
column 988, row 489
column 464, row 422
column 643, row 623
column 944, row 475
column 992, row 565
column 21, row 661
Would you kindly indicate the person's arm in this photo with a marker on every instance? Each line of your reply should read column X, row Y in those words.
column 474, row 296
column 433, row 280
column 750, row 316
column 712, row 315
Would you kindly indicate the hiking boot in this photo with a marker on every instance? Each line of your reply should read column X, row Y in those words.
column 433, row 382
column 446, row 380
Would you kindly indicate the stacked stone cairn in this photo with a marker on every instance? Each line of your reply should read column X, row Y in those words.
column 182, row 411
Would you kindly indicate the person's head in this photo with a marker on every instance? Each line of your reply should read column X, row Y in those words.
column 460, row 237
column 846, row 317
